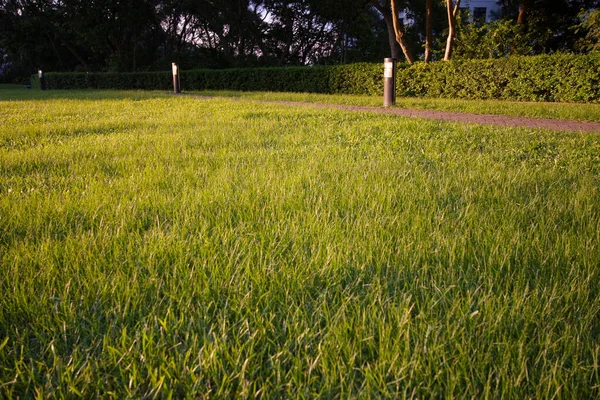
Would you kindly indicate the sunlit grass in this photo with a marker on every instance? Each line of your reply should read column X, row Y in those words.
column 566, row 111
column 153, row 245
column 569, row 111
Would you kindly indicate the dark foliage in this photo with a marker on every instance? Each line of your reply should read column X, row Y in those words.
column 560, row 77
column 352, row 78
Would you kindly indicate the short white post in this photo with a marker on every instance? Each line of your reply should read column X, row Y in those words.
column 42, row 80
column 389, row 82
column 176, row 81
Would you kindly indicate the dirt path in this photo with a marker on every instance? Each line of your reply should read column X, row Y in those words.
column 481, row 119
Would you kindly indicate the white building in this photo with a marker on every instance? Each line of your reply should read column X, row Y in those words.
column 481, row 10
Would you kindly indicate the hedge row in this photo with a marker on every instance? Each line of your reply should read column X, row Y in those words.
column 356, row 78
column 561, row 77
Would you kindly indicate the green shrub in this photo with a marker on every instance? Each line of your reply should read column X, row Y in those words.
column 361, row 78
column 560, row 77
column 351, row 79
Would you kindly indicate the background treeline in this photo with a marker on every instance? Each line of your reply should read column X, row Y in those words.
column 147, row 35
column 557, row 77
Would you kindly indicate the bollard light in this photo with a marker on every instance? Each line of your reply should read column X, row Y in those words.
column 389, row 82
column 42, row 80
column 176, row 81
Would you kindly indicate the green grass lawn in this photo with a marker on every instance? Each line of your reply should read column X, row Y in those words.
column 570, row 111
column 157, row 246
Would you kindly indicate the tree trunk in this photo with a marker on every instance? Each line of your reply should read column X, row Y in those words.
column 428, row 30
column 452, row 12
column 523, row 11
column 399, row 34
column 394, row 46
column 289, row 28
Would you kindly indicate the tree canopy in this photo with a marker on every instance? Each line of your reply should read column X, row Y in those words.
column 133, row 35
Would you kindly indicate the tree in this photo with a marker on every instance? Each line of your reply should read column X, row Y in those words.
column 452, row 10
column 400, row 33
column 523, row 11
column 428, row 30
column 496, row 39
column 548, row 24
column 396, row 32
column 298, row 34
column 357, row 31
column 119, row 33
column 590, row 27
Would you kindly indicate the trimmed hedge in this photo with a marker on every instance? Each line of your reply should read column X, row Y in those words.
column 560, row 77
column 361, row 78
column 109, row 80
